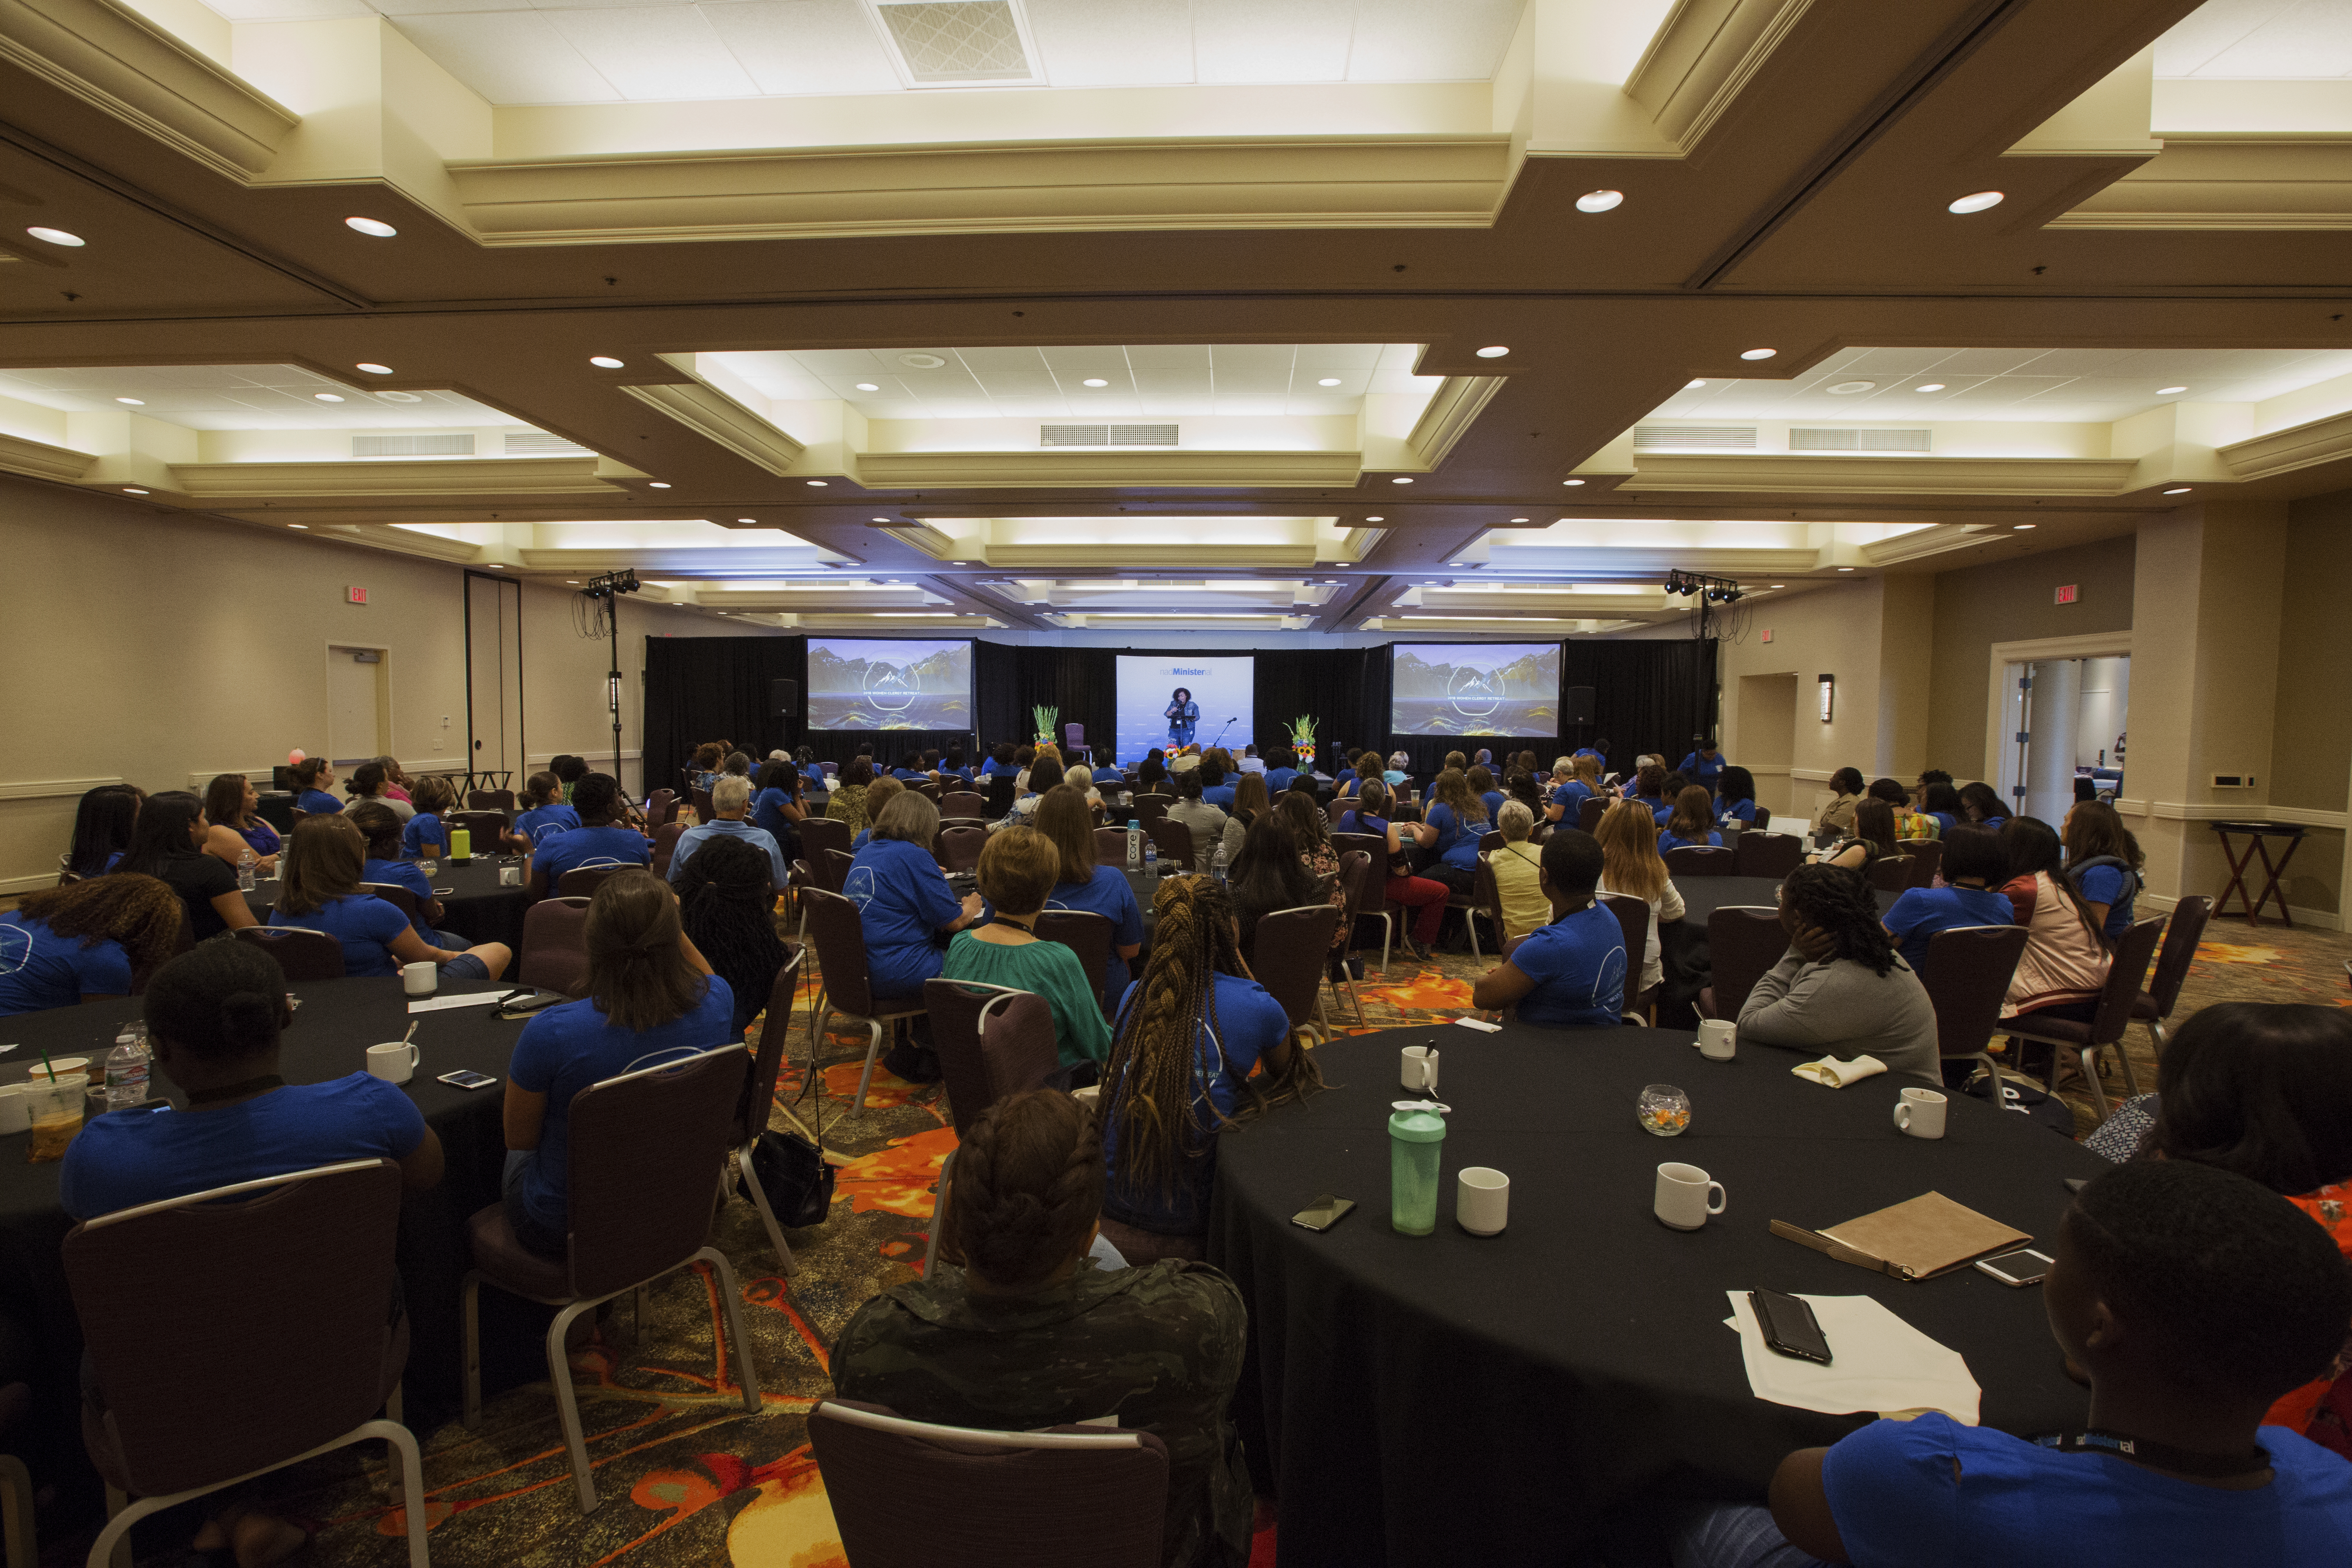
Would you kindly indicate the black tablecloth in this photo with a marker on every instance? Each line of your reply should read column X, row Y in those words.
column 476, row 908
column 1453, row 1399
column 337, row 1021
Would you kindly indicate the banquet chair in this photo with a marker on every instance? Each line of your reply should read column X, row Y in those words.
column 665, row 840
column 1491, row 841
column 1471, row 909
column 703, row 810
column 1743, row 941
column 1149, row 808
column 2181, row 935
column 759, row 1094
column 256, row 1367
column 554, row 952
column 1174, row 841
column 1110, row 845
column 2125, row 969
column 399, row 898
column 648, row 1150
column 910, row 1494
column 837, row 863
column 1589, row 811
column 1370, row 901
column 1768, row 853
column 1023, row 1054
column 1764, row 816
column 1355, row 867
column 661, row 808
column 958, row 847
column 1633, row 921
column 1699, row 860
column 819, row 834
column 964, row 803
column 302, row 954
column 1289, row 952
column 1967, row 976
column 582, row 881
column 1088, row 935
column 16, row 1535
column 497, row 800
column 488, row 830
column 1889, row 873
column 837, row 929
column 1926, row 859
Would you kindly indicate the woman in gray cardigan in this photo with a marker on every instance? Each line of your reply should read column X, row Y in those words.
column 1841, row 990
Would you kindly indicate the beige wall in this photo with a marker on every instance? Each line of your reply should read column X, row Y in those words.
column 2311, row 746
column 2011, row 601
column 1844, row 632
column 153, row 646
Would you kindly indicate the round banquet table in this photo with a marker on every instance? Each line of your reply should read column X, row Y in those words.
column 334, row 1023
column 476, row 907
column 1449, row 1398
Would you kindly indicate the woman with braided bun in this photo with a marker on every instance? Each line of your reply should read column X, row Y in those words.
column 1841, row 990
column 726, row 908
column 1188, row 1038
column 1027, row 1335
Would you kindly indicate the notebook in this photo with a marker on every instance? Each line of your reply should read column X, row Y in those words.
column 1917, row 1239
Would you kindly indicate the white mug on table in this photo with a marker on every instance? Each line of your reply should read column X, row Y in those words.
column 1417, row 1072
column 1686, row 1195
column 1718, row 1039
column 394, row 1062
column 1921, row 1112
column 420, row 979
column 1482, row 1200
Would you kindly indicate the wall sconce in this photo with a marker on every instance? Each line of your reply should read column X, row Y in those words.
column 1828, row 694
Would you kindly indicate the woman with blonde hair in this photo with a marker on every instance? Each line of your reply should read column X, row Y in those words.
column 878, row 796
column 904, row 899
column 1630, row 865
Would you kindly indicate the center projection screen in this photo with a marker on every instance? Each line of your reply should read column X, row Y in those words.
column 866, row 683
column 1474, row 689
column 1151, row 712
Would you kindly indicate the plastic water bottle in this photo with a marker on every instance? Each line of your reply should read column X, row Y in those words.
column 245, row 868
column 127, row 1067
column 1134, row 845
column 1217, row 863
column 1150, row 859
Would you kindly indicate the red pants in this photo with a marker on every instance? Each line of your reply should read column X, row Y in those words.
column 1428, row 897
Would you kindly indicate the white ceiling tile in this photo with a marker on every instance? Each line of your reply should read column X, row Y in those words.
column 510, row 56
column 1429, row 40
column 2313, row 38
column 806, row 46
column 440, row 7
column 1165, row 370
column 2209, row 29
column 656, row 53
column 867, row 362
column 1271, row 40
column 1113, row 43
column 2077, row 361
column 288, row 10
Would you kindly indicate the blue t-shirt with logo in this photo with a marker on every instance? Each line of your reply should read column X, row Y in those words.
column 1457, row 841
column 1578, row 963
column 1250, row 1021
column 1700, row 771
column 579, row 848
column 567, row 1047
column 1278, row 779
column 1921, row 913
column 1109, row 894
column 1740, row 811
column 425, row 839
column 1669, row 839
column 768, row 814
column 406, row 874
column 694, row 838
column 1570, row 798
column 2115, row 887
column 131, row 1157
column 541, row 820
column 903, row 898
column 317, row 802
column 366, row 925
column 39, row 969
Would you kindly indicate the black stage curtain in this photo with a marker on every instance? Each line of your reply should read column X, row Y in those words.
column 1328, row 683
column 1648, row 695
column 1083, row 682
column 701, row 689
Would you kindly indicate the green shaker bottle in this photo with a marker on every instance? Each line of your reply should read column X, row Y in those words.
column 1416, row 1132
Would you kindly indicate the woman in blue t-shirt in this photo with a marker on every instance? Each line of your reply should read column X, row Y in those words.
column 312, row 776
column 425, row 838
column 777, row 807
column 324, row 858
column 1942, row 802
column 60, row 946
column 1981, row 806
column 1065, row 817
column 103, row 824
column 1734, row 796
column 380, row 828
column 1423, row 895
column 1190, row 1034
column 903, row 898
column 1482, row 784
column 1974, row 865
column 597, row 842
column 651, row 997
column 1691, row 822
column 1461, row 819
column 1569, row 974
column 232, row 807
column 2105, row 863
column 543, row 812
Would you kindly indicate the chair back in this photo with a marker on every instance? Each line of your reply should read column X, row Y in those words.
column 1149, row 808
column 907, row 1494
column 964, row 803
column 1110, row 845
column 1700, row 860
column 1288, row 953
column 554, row 954
column 1967, row 976
column 1174, row 840
column 582, row 881
column 1771, row 855
column 484, row 828
column 2181, row 935
column 958, row 847
column 819, row 833
column 928, row 788
column 703, row 810
column 661, row 808
column 1589, row 811
column 838, row 929
column 1488, row 895
column 1073, row 736
column 1490, row 842
column 1742, row 943
column 961, row 1012
column 665, row 840
column 498, row 800
column 1633, row 920
column 836, row 867
column 1088, row 935
column 1926, row 859
column 2125, row 969
column 768, row 1062
column 302, row 954
column 646, row 1148
column 1889, row 873
column 1764, row 816
column 276, row 1342
column 1372, row 895
column 399, row 898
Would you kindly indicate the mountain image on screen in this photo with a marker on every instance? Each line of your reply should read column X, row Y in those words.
column 1503, row 689
column 868, row 685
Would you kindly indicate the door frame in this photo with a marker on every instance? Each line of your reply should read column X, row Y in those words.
column 2000, row 724
column 465, row 617
column 383, row 695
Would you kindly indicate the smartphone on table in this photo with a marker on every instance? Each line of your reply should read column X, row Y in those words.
column 466, row 1077
column 1789, row 1326
column 1324, row 1213
column 2022, row 1266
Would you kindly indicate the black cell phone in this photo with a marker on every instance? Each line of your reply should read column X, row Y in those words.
column 1324, row 1213
column 1789, row 1326
column 466, row 1077
column 2023, row 1266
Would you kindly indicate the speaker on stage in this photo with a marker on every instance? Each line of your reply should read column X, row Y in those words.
column 1578, row 709
column 783, row 698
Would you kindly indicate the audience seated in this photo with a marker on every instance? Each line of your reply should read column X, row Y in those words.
column 650, row 994
column 2064, row 963
column 1268, row 875
column 2104, row 864
column 1018, row 871
column 1206, row 823
column 1045, row 774
column 1841, row 990
column 731, row 807
column 425, row 838
column 1368, row 767
column 1518, row 873
column 2192, row 1299
column 1980, row 805
column 1311, row 832
column 168, row 843
column 1975, row 864
column 1251, row 802
column 312, row 776
column 1691, row 822
column 381, row 829
column 1459, row 820
column 368, row 782
column 320, row 892
column 705, row 766
column 569, row 772
column 999, row 761
column 1025, row 1334
column 1909, row 821
column 1632, row 864
column 1734, row 796
column 543, row 812
column 1571, row 973
column 597, row 842
column 1065, row 820
column 1424, row 897
column 103, row 822
column 776, row 808
column 1571, row 787
column 1649, row 787
column 846, row 800
column 1942, row 802
column 231, row 806
column 729, row 914
column 903, row 898
column 395, row 780
column 1218, row 784
column 62, row 946
column 878, row 795
column 1281, row 767
column 1873, row 835
column 1845, row 793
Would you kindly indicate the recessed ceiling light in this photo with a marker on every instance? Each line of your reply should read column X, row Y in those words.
column 1375, row 518
column 133, row 491
column 1518, row 519
column 373, row 369
column 133, row 402
column 1845, row 568
column 326, row 397
column 1095, row 381
column 1571, row 481
column 1599, row 201
column 746, row 519
column 58, row 237
column 606, row 362
column 923, row 362
column 303, row 526
column 1930, row 386
column 1328, row 381
column 1759, row 353
column 1779, row 585
column 1693, row 385
column 1848, row 388
column 660, row 484
column 399, row 397
column 2021, row 527
column 1493, row 350
column 869, row 386
column 881, row 519
column 1976, row 202
column 572, row 582
column 497, row 566
column 2177, row 491
column 2168, row 391
column 816, row 484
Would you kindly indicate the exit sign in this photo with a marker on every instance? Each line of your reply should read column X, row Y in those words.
column 359, row 595
column 2068, row 592
column 1768, row 634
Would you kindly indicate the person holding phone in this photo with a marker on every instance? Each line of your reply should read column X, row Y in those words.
column 1184, row 716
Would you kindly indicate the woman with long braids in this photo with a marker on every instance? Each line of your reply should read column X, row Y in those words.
column 1841, row 990
column 724, row 902
column 1026, row 1333
column 1190, row 1034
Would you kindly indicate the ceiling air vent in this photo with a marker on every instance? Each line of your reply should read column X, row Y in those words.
column 1107, row 435
column 1695, row 437
column 1805, row 441
column 412, row 446
column 540, row 444
column 959, row 40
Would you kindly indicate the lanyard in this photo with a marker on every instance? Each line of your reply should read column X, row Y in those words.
column 2184, row 1461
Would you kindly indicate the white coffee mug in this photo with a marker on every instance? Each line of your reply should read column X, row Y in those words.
column 420, row 979
column 15, row 1111
column 1921, row 1112
column 1418, row 1070
column 1718, row 1039
column 509, row 876
column 392, row 1062
column 1482, row 1200
column 1686, row 1195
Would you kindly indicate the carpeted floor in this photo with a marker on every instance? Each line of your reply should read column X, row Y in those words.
column 688, row 1477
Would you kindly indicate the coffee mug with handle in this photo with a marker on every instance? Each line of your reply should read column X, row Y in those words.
column 394, row 1062
column 1687, row 1195
column 1417, row 1072
column 1921, row 1112
column 1718, row 1039
column 421, row 978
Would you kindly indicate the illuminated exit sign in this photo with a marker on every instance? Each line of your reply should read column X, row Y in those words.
column 359, row 595
column 2068, row 592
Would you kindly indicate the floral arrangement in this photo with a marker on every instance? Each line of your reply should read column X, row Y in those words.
column 1302, row 740
column 1046, row 718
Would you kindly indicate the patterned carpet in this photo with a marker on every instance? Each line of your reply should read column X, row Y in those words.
column 687, row 1477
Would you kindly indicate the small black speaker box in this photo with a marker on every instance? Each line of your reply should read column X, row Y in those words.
column 1579, row 707
column 783, row 698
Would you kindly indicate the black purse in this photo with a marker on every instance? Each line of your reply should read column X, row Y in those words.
column 795, row 1176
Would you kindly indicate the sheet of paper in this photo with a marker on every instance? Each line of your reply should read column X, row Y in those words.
column 1877, row 1362
column 471, row 999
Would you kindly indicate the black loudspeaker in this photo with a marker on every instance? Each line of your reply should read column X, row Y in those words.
column 1578, row 709
column 783, row 698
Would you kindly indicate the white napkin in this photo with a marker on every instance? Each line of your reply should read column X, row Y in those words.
column 1877, row 1362
column 1835, row 1074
